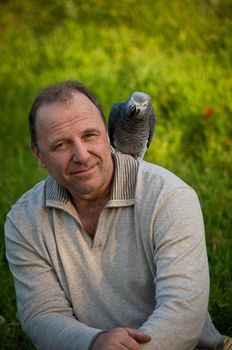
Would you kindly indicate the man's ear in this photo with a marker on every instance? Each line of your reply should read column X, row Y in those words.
column 37, row 155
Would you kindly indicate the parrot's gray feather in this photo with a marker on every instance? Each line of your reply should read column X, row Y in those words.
column 152, row 128
column 131, row 124
column 115, row 111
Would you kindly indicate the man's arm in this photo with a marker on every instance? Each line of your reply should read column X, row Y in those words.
column 182, row 277
column 43, row 309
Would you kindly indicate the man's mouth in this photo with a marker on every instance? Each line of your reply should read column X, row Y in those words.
column 84, row 171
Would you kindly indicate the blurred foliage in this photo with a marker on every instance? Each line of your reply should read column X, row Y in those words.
column 177, row 51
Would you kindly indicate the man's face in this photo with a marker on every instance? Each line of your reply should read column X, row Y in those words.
column 73, row 145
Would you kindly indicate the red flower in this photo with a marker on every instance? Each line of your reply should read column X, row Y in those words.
column 207, row 112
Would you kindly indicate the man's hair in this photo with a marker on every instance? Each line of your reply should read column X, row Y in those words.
column 60, row 92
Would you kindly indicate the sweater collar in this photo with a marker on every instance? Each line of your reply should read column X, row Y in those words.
column 123, row 186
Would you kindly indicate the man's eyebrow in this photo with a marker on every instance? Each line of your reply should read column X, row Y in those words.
column 92, row 130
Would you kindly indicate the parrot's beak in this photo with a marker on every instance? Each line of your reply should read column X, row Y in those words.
column 132, row 110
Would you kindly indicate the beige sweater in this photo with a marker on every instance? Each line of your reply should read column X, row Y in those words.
column 146, row 267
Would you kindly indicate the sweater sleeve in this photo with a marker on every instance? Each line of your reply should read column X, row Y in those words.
column 181, row 277
column 43, row 308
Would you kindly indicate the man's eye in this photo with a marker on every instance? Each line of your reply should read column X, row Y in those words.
column 89, row 136
column 60, row 145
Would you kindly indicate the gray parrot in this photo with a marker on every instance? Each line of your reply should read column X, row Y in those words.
column 131, row 124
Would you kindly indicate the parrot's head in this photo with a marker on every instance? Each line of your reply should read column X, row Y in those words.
column 137, row 105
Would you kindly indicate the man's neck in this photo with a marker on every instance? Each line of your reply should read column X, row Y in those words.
column 89, row 213
column 85, row 202
column 89, row 208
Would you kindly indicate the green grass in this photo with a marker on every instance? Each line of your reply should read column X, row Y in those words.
column 177, row 51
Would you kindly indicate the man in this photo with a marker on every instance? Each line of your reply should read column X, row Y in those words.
column 108, row 252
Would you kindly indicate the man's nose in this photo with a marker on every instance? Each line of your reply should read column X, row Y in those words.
column 80, row 153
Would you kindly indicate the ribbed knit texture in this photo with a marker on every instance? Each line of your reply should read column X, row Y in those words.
column 125, row 177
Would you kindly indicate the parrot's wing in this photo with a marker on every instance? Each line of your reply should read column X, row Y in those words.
column 112, row 120
column 152, row 127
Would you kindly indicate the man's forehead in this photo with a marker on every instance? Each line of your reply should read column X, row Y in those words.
column 79, row 110
column 77, row 101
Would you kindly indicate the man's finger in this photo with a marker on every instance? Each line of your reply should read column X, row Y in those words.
column 130, row 343
column 138, row 335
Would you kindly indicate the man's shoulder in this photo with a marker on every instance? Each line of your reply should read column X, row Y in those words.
column 34, row 197
column 158, row 188
column 159, row 177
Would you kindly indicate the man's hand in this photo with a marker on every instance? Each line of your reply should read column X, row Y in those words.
column 121, row 339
